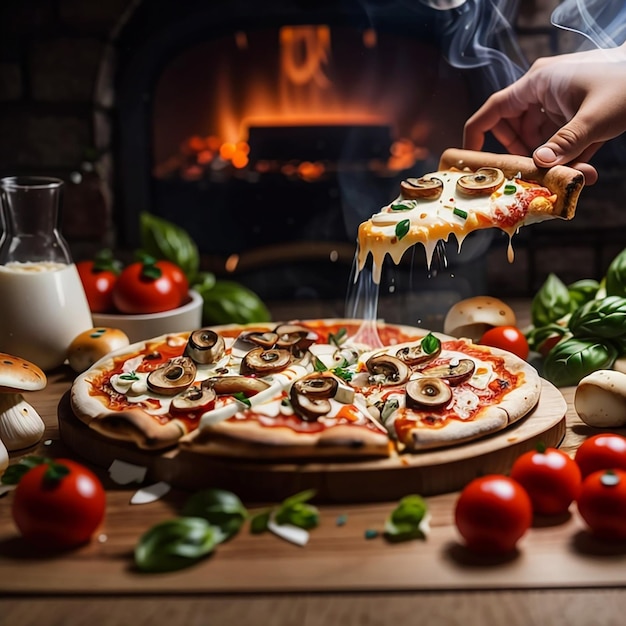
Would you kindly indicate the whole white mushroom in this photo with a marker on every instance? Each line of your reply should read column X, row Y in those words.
column 20, row 425
column 473, row 317
column 600, row 399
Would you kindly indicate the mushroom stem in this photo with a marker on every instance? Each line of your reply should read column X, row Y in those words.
column 20, row 425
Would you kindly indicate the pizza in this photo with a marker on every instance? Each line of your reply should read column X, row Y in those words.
column 470, row 191
column 303, row 389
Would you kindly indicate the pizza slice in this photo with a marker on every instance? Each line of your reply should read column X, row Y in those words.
column 470, row 191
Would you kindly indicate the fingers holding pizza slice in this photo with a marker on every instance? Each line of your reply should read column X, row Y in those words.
column 470, row 191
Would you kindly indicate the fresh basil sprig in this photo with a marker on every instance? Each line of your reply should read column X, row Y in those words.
column 221, row 508
column 430, row 344
column 405, row 521
column 574, row 358
column 616, row 276
column 175, row 544
column 583, row 290
column 552, row 302
column 605, row 318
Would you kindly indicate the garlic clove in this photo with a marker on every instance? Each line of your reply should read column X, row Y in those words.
column 20, row 425
column 4, row 458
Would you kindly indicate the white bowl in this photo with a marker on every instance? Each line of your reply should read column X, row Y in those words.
column 148, row 325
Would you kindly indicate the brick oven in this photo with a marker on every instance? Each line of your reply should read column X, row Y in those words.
column 186, row 109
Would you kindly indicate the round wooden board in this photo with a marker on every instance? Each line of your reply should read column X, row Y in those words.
column 427, row 473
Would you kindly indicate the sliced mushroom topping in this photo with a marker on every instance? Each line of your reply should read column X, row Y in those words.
column 264, row 339
column 307, row 406
column 414, row 356
column 229, row 385
column 294, row 336
column 260, row 361
column 317, row 385
column 193, row 398
column 425, row 187
column 482, row 183
column 172, row 377
column 455, row 372
column 205, row 346
column 390, row 369
column 427, row 392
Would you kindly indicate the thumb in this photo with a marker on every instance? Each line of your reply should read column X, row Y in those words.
column 566, row 145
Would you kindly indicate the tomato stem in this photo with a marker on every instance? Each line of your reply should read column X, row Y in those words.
column 55, row 472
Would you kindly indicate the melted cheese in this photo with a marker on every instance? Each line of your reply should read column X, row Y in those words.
column 404, row 223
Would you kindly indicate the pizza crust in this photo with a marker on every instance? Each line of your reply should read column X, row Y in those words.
column 566, row 182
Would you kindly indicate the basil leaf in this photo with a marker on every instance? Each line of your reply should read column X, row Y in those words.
column 604, row 318
column 296, row 511
column 402, row 228
column 551, row 303
column 175, row 544
column 219, row 507
column 165, row 240
column 572, row 359
column 259, row 522
column 13, row 474
column 404, row 522
column 616, row 276
column 583, row 290
column 539, row 338
column 430, row 344
column 227, row 302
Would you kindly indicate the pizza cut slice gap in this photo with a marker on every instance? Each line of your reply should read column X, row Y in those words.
column 470, row 191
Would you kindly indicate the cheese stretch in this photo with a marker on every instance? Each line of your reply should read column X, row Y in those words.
column 406, row 222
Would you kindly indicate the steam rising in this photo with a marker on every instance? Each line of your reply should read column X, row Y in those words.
column 603, row 22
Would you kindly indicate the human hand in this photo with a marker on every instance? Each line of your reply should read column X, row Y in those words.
column 562, row 110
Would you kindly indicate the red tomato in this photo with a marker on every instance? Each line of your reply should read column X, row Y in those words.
column 59, row 509
column 551, row 478
column 602, row 503
column 492, row 513
column 506, row 338
column 98, row 285
column 147, row 288
column 177, row 275
column 604, row 451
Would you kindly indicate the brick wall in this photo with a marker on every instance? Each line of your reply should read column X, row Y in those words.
column 57, row 62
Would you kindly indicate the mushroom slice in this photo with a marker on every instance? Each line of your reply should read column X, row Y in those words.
column 414, row 356
column 193, row 398
column 317, row 385
column 264, row 339
column 307, row 407
column 205, row 346
column 294, row 336
column 425, row 187
column 173, row 377
column 427, row 392
column 260, row 361
column 228, row 385
column 482, row 183
column 455, row 372
column 392, row 370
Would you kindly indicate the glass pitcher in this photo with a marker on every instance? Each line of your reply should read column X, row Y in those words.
column 43, row 306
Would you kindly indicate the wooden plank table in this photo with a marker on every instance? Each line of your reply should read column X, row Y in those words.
column 560, row 574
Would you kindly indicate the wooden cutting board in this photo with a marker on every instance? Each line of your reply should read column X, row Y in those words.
column 428, row 473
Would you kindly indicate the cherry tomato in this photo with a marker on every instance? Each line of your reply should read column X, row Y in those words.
column 506, row 338
column 177, row 275
column 98, row 285
column 147, row 288
column 602, row 503
column 492, row 513
column 604, row 451
column 58, row 504
column 551, row 478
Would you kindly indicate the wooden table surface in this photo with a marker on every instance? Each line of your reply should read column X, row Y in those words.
column 559, row 575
